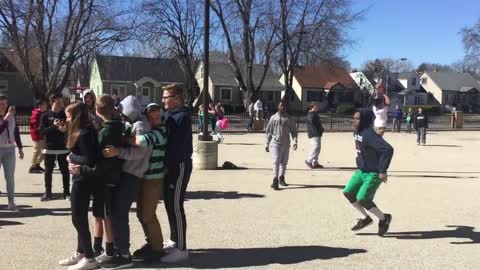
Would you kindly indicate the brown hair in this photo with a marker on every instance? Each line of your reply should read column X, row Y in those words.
column 106, row 106
column 80, row 119
column 175, row 89
column 52, row 97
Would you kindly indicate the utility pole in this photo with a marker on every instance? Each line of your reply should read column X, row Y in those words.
column 204, row 135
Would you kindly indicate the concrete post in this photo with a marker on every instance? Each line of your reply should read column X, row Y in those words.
column 205, row 155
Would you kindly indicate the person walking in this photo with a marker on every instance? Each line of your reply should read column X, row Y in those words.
column 9, row 138
column 201, row 119
column 315, row 132
column 279, row 129
column 409, row 120
column 212, row 116
column 219, row 125
column 397, row 119
column 251, row 116
column 41, row 106
column 420, row 124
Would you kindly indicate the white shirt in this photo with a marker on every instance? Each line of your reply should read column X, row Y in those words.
column 381, row 116
column 258, row 106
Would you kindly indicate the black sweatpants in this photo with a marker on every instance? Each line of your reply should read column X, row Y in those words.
column 63, row 164
column 176, row 183
column 122, row 197
column 80, row 203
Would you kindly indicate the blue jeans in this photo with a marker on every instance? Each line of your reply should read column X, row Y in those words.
column 7, row 160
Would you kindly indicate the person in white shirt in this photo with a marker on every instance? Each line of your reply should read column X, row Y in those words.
column 380, row 105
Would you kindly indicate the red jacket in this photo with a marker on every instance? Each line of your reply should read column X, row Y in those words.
column 35, row 125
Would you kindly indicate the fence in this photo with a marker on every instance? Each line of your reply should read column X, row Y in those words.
column 332, row 122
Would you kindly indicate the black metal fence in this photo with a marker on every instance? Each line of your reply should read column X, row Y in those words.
column 332, row 122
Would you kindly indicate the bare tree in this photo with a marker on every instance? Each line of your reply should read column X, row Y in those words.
column 471, row 40
column 63, row 31
column 249, row 37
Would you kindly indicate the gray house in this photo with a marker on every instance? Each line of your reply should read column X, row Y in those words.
column 12, row 82
column 224, row 88
column 142, row 77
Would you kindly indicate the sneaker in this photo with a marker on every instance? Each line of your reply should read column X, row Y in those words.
column 317, row 166
column 66, row 197
column 103, row 258
column 281, row 181
column 97, row 253
column 169, row 244
column 143, row 251
column 72, row 260
column 175, row 256
column 383, row 225
column 362, row 223
column 40, row 168
column 34, row 170
column 46, row 197
column 84, row 264
column 118, row 262
column 309, row 165
column 275, row 184
column 12, row 207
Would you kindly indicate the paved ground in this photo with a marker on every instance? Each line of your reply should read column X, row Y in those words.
column 236, row 220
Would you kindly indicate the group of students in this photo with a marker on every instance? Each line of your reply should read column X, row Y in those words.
column 116, row 155
column 217, row 119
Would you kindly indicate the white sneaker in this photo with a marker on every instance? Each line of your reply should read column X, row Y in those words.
column 169, row 244
column 174, row 256
column 103, row 258
column 12, row 207
column 84, row 264
column 72, row 260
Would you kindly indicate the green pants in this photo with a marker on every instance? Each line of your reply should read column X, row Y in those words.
column 364, row 185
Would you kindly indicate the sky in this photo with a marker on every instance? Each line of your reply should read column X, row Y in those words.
column 419, row 30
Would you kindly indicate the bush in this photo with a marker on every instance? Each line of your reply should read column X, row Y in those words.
column 345, row 108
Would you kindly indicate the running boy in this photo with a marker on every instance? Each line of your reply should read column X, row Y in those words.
column 278, row 132
column 373, row 158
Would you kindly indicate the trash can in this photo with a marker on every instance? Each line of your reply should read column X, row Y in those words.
column 458, row 119
column 258, row 124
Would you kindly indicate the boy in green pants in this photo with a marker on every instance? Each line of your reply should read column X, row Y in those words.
column 373, row 158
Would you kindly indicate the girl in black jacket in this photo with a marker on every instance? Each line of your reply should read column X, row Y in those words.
column 83, row 143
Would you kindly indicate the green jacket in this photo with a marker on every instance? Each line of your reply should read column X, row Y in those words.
column 110, row 133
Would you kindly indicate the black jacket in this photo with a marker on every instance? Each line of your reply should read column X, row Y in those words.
column 314, row 125
column 420, row 120
column 373, row 152
column 86, row 154
column 54, row 138
column 179, row 127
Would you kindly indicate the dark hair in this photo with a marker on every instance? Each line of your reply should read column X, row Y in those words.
column 80, row 120
column 39, row 102
column 52, row 97
column 3, row 97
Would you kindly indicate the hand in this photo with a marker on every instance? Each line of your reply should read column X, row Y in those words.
column 383, row 177
column 62, row 128
column 69, row 160
column 57, row 122
column 110, row 151
column 74, row 169
column 294, row 147
column 267, row 149
column 20, row 153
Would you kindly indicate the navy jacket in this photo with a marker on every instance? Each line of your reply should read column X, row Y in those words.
column 314, row 125
column 373, row 152
column 179, row 127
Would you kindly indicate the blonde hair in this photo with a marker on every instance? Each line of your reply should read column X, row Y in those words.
column 80, row 119
column 176, row 90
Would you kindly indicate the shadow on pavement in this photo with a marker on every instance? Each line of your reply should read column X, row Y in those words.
column 27, row 211
column 301, row 186
column 442, row 145
column 434, row 176
column 228, row 195
column 252, row 257
column 9, row 223
column 242, row 144
column 459, row 232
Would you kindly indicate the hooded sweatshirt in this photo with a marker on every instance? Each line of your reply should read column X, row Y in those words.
column 179, row 126
column 96, row 120
column 373, row 152
column 137, row 158
column 279, row 129
column 111, row 133
column 35, row 125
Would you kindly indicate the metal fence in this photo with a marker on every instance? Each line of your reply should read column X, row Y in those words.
column 332, row 122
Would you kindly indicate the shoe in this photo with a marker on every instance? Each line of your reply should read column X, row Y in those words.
column 40, row 168
column 84, row 264
column 383, row 225
column 34, row 170
column 309, row 165
column 142, row 252
column 118, row 262
column 418, row 143
column 281, row 181
column 46, row 197
column 275, row 184
column 424, row 144
column 66, row 197
column 200, row 133
column 317, row 166
column 175, row 256
column 72, row 260
column 169, row 244
column 362, row 223
column 103, row 258
column 12, row 207
column 98, row 253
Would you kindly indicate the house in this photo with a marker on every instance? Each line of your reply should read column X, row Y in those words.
column 366, row 87
column 142, row 77
column 12, row 81
column 223, row 86
column 453, row 89
column 325, row 84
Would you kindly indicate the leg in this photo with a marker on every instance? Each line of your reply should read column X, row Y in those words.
column 313, row 157
column 284, row 155
column 424, row 135
column 63, row 165
column 8, row 162
column 49, row 164
column 80, row 203
column 40, row 156
column 37, row 152
column 399, row 126
column 418, row 135
column 146, row 212
column 98, row 235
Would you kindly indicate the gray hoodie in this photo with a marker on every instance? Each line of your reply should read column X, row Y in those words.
column 97, row 121
column 137, row 158
column 279, row 129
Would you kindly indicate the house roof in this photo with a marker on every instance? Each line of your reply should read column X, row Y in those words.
column 454, row 81
column 330, row 85
column 222, row 74
column 34, row 56
column 320, row 76
column 121, row 68
column 410, row 91
column 406, row 75
column 465, row 89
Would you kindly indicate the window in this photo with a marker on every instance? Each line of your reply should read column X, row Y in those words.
column 419, row 100
column 414, row 81
column 424, row 80
column 117, row 90
column 3, row 86
column 314, row 96
column 225, row 94
column 361, row 81
column 145, row 91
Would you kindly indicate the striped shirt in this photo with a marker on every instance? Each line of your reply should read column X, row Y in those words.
column 157, row 138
